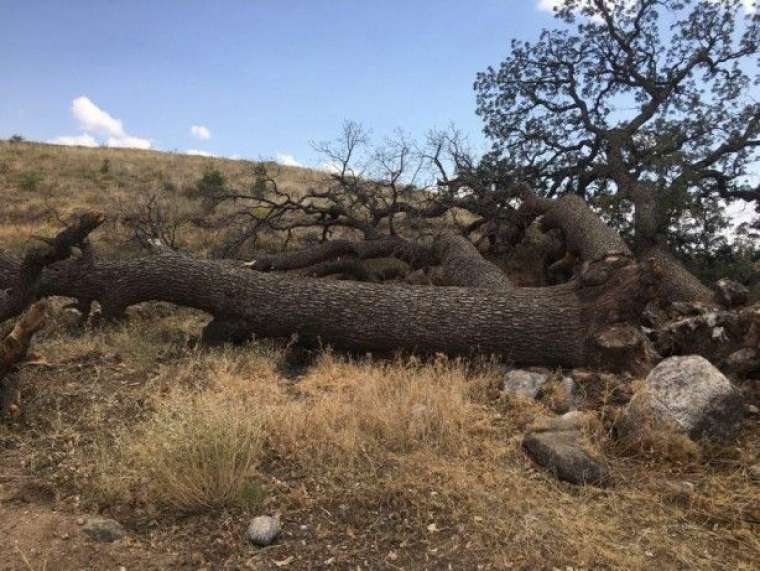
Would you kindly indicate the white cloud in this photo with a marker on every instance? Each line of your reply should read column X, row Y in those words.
column 77, row 141
column 199, row 153
column 94, row 121
column 550, row 5
column 287, row 160
column 200, row 132
column 128, row 142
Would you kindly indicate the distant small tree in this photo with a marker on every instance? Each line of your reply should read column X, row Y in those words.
column 16, row 139
column 212, row 184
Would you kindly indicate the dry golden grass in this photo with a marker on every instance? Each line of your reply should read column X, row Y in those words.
column 197, row 452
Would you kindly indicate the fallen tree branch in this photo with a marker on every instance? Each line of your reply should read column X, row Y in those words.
column 13, row 349
column 21, row 281
column 20, row 286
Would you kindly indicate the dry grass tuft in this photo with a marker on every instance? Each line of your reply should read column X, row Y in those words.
column 196, row 453
column 352, row 413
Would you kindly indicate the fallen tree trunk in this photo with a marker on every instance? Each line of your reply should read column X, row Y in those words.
column 587, row 321
column 678, row 283
column 553, row 326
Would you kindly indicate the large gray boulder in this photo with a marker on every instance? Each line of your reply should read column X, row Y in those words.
column 689, row 395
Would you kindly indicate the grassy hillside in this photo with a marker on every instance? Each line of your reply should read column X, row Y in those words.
column 373, row 464
column 39, row 182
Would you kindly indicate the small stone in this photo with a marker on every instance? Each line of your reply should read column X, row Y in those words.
column 677, row 492
column 752, row 409
column 527, row 384
column 563, row 454
column 80, row 521
column 102, row 529
column 573, row 420
column 754, row 473
column 263, row 530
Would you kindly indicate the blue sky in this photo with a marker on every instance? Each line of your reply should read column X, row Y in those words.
column 262, row 77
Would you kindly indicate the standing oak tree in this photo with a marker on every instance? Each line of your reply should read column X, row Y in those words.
column 642, row 105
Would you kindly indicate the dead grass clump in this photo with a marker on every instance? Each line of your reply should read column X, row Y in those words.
column 197, row 453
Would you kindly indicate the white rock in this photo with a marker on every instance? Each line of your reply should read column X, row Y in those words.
column 687, row 394
column 263, row 530
column 519, row 382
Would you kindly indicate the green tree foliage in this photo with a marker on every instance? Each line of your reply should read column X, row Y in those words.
column 645, row 108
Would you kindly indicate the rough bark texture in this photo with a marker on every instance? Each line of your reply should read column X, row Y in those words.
column 546, row 326
column 462, row 265
column 586, row 235
column 411, row 252
column 678, row 283
column 20, row 281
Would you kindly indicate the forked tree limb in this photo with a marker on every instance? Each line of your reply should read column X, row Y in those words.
column 461, row 263
column 21, row 284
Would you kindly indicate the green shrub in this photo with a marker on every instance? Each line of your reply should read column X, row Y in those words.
column 30, row 181
column 212, row 184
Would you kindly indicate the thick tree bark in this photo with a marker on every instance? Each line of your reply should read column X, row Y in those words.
column 573, row 324
column 553, row 326
column 21, row 280
column 678, row 283
column 411, row 252
column 462, row 265
column 586, row 235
